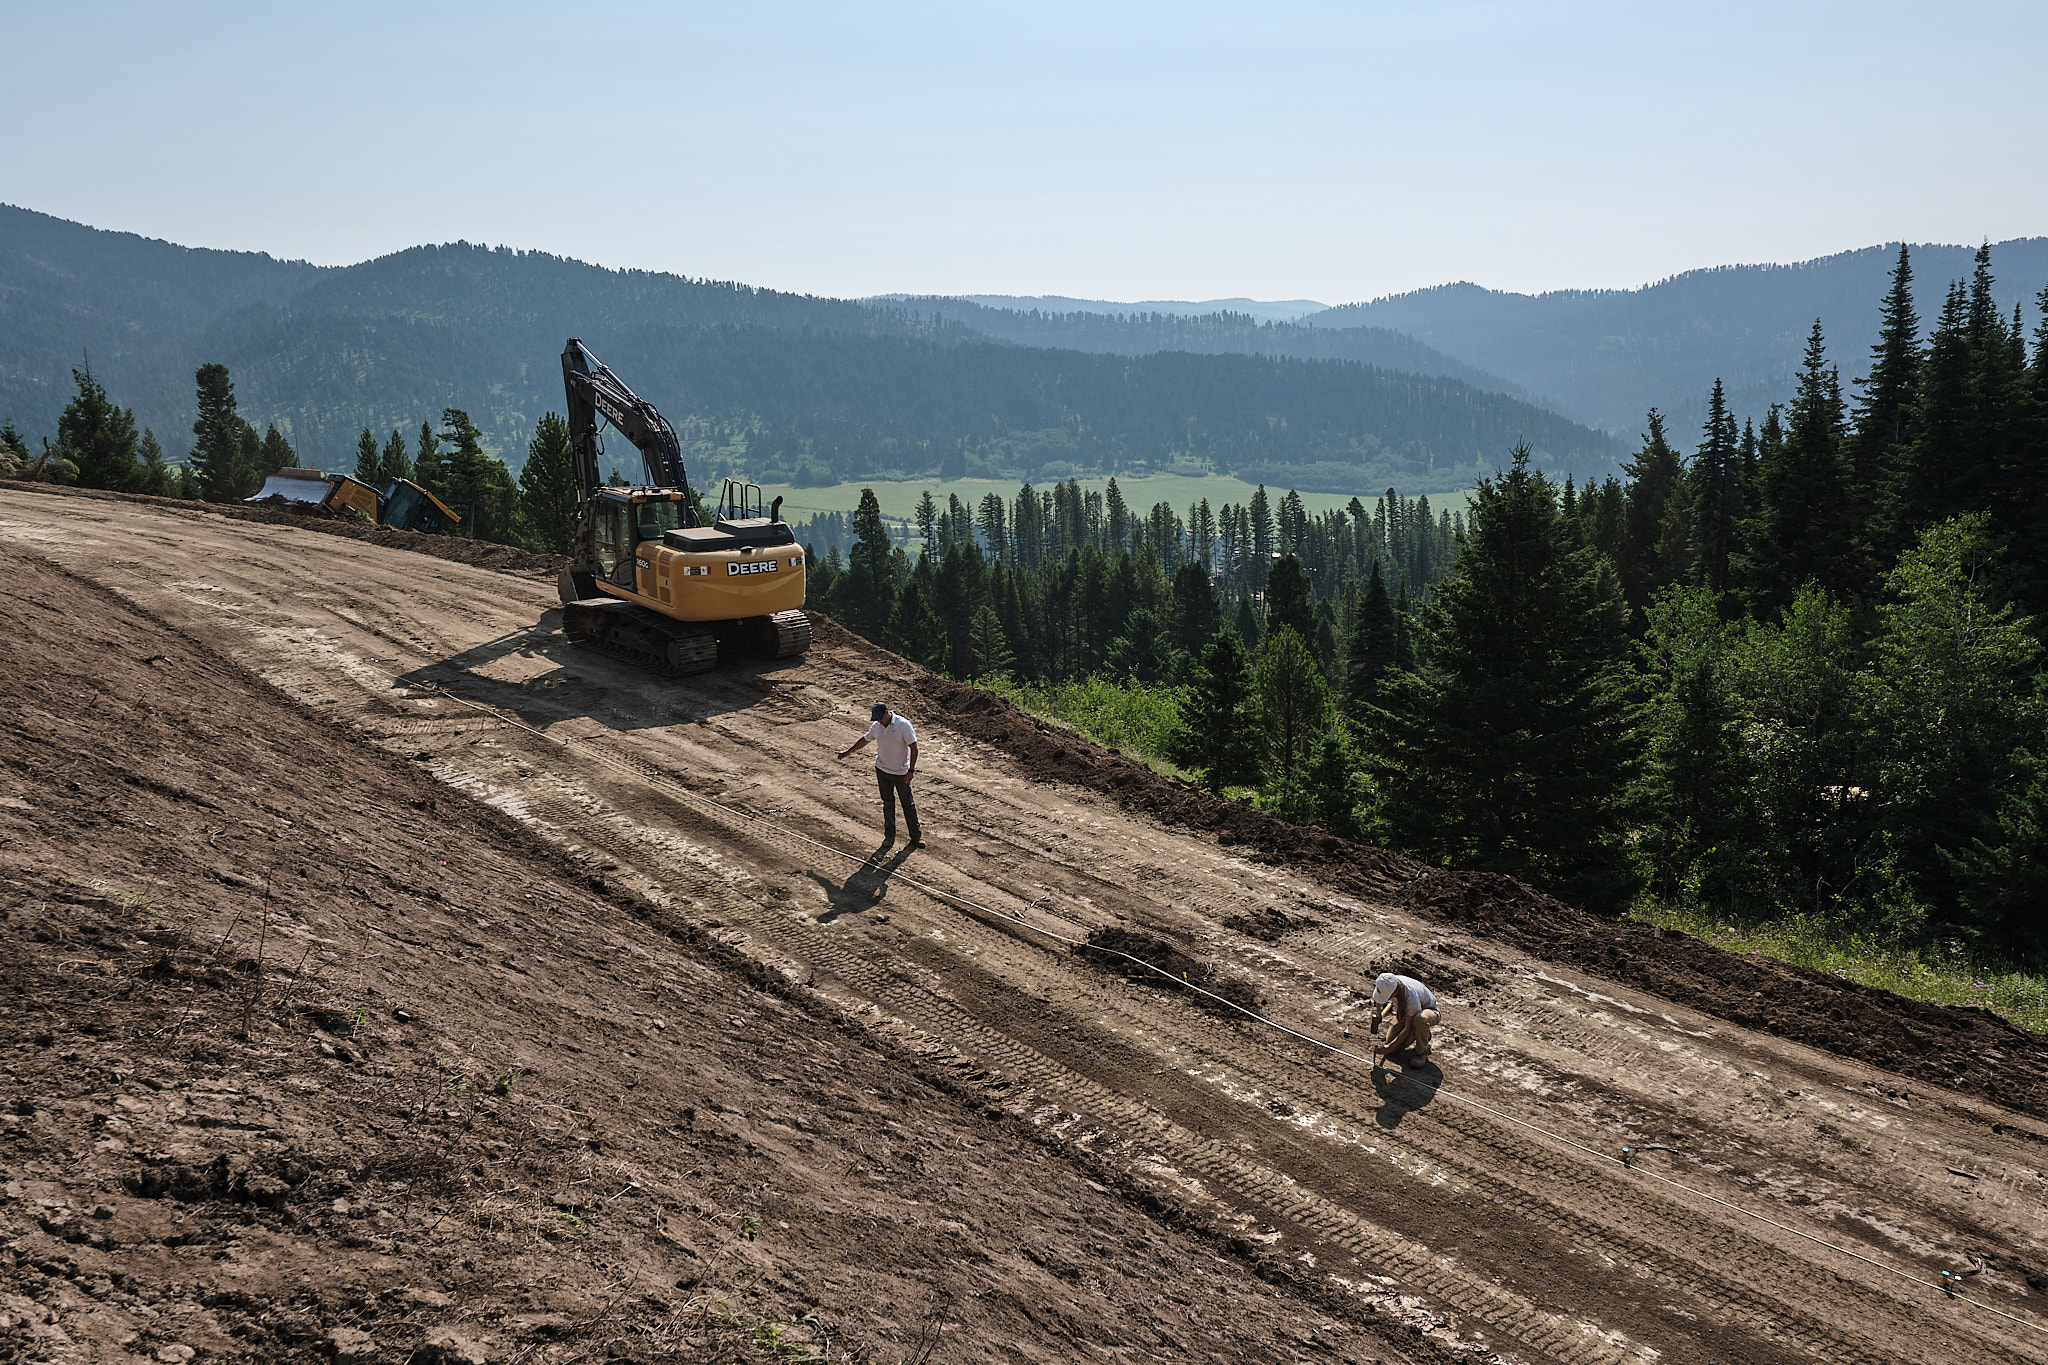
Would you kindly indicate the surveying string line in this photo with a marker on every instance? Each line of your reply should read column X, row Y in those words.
column 1017, row 917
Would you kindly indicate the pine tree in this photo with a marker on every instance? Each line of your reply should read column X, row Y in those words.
column 1405, row 653
column 1802, row 532
column 915, row 630
column 1117, row 516
column 994, row 523
column 1695, row 775
column 1373, row 648
column 1653, row 541
column 479, row 487
column 277, row 453
column 249, row 457
column 1027, row 530
column 1196, row 615
column 1246, row 623
column 1216, row 738
column 1144, row 652
column 98, row 437
column 868, row 595
column 1512, row 750
column 156, row 478
column 1333, row 780
column 1260, row 524
column 1287, row 599
column 1884, row 409
column 1951, row 695
column 216, row 456
column 1716, row 492
column 927, row 523
column 1294, row 705
column 988, row 645
column 394, row 463
column 429, row 468
column 368, row 466
column 546, row 518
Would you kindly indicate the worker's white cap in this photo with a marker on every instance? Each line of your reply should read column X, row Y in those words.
column 1383, row 989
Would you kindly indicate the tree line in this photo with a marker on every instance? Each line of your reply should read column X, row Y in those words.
column 1798, row 669
column 97, row 446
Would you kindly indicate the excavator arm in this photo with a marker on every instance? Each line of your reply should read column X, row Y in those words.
column 595, row 393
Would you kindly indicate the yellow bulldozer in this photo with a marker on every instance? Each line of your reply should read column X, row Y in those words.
column 403, row 505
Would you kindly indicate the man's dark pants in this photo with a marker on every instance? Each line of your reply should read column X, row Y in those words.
column 892, row 787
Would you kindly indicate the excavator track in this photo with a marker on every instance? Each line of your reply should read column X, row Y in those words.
column 784, row 635
column 610, row 626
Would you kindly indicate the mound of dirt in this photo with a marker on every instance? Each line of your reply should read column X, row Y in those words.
column 1968, row 1050
column 1054, row 754
column 1164, row 966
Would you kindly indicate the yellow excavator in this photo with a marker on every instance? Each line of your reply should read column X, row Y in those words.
column 646, row 579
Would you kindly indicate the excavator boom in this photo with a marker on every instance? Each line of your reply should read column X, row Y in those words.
column 593, row 391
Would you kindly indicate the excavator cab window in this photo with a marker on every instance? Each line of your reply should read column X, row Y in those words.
column 614, row 550
column 652, row 520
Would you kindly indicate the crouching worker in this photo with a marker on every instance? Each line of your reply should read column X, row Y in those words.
column 1413, row 1006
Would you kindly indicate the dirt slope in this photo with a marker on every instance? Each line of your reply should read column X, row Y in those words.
column 717, row 801
column 308, row 1057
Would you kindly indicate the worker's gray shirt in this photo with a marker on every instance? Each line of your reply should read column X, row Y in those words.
column 1420, row 997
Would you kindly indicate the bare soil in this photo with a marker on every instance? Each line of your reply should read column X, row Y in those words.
column 394, row 981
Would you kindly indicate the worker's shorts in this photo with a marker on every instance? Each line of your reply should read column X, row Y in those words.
column 1425, row 1024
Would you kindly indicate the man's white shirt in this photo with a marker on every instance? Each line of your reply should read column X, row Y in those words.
column 892, row 745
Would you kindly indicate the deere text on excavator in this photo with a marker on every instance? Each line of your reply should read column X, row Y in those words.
column 646, row 580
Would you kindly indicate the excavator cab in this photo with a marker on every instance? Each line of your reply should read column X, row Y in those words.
column 409, row 507
column 626, row 519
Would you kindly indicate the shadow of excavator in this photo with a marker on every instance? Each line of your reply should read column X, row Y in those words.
column 617, row 693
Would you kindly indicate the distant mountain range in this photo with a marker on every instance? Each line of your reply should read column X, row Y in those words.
column 1263, row 310
column 1419, row 390
column 1216, row 333
column 1606, row 356
column 785, row 387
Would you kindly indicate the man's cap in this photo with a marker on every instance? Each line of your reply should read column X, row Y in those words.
column 1383, row 989
column 878, row 710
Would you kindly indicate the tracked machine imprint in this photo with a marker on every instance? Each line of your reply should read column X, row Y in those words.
column 647, row 581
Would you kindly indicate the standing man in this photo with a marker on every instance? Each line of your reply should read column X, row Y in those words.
column 895, row 762
column 1414, row 1008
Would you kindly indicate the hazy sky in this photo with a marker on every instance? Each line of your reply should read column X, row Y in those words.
column 1330, row 151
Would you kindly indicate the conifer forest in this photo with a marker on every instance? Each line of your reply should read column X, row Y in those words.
column 1790, row 666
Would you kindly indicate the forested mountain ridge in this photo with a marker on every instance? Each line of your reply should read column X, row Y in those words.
column 1606, row 356
column 783, row 386
column 1265, row 310
column 1222, row 332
